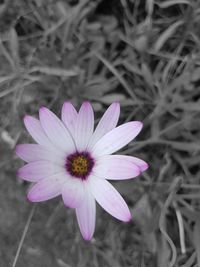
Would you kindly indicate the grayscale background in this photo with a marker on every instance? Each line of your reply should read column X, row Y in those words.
column 144, row 54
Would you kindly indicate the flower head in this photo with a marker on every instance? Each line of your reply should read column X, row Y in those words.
column 74, row 160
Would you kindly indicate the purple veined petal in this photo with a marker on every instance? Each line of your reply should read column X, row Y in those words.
column 117, row 138
column 109, row 199
column 34, row 152
column 73, row 193
column 56, row 131
column 47, row 188
column 84, row 126
column 115, row 167
column 37, row 170
column 35, row 129
column 86, row 215
column 139, row 162
column 69, row 116
column 106, row 124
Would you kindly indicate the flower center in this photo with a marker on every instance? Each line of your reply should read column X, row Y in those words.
column 79, row 164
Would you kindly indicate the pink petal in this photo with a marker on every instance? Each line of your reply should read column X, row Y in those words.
column 84, row 126
column 139, row 162
column 73, row 193
column 47, row 188
column 37, row 170
column 69, row 116
column 34, row 127
column 110, row 200
column 115, row 167
column 86, row 215
column 107, row 123
column 56, row 131
column 34, row 152
column 117, row 138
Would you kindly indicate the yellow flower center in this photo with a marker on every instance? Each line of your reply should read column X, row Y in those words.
column 79, row 165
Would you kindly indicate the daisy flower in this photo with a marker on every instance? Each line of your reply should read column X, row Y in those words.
column 74, row 160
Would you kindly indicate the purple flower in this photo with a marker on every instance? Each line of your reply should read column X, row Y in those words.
column 74, row 160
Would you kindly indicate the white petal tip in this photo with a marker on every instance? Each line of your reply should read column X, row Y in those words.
column 69, row 206
column 67, row 103
column 117, row 103
column 87, row 238
column 43, row 109
column 19, row 173
column 30, row 198
column 128, row 218
column 17, row 149
column 139, row 124
column 27, row 121
column 25, row 118
column 86, row 102
column 145, row 167
column 116, row 106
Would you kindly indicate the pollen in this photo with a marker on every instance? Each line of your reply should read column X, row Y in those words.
column 80, row 165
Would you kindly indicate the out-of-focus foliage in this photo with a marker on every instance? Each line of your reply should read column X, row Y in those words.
column 145, row 54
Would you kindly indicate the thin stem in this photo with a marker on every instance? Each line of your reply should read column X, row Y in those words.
column 24, row 235
column 181, row 228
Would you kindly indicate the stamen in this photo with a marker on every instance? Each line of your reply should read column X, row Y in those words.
column 79, row 164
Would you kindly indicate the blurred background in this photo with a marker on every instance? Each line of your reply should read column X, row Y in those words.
column 144, row 54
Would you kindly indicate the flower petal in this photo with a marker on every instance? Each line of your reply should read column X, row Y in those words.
column 34, row 152
column 117, row 138
column 139, row 162
column 86, row 215
column 115, row 167
column 35, row 129
column 69, row 116
column 73, row 193
column 110, row 200
column 107, row 123
column 47, row 188
column 84, row 126
column 37, row 170
column 56, row 131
